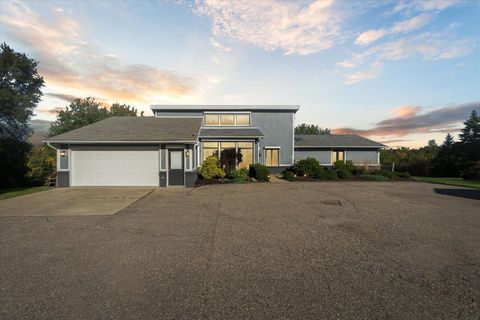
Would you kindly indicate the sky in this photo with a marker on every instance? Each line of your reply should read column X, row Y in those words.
column 398, row 72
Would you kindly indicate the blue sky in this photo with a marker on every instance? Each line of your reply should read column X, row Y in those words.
column 400, row 72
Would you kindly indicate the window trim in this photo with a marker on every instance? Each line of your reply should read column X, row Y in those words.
column 219, row 147
column 339, row 150
column 235, row 113
column 272, row 148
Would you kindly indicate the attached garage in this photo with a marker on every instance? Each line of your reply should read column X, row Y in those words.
column 115, row 166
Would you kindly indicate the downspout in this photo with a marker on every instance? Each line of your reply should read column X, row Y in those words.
column 48, row 144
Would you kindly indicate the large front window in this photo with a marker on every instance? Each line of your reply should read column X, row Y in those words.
column 227, row 119
column 232, row 154
column 272, row 157
column 338, row 155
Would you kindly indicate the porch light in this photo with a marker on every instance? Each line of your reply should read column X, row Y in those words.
column 62, row 153
column 187, row 153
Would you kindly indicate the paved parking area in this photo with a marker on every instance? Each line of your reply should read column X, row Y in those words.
column 73, row 201
column 339, row 250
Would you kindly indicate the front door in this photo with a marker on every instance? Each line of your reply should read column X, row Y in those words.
column 175, row 168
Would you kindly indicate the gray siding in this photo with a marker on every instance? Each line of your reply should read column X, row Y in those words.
column 63, row 179
column 323, row 156
column 362, row 156
column 190, row 179
column 277, row 128
column 186, row 113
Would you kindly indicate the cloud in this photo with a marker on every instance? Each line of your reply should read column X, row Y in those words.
column 410, row 120
column 293, row 27
column 65, row 97
column 424, row 5
column 220, row 47
column 68, row 61
column 370, row 36
column 404, row 26
column 372, row 73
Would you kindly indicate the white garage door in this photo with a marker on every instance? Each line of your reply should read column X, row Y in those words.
column 115, row 166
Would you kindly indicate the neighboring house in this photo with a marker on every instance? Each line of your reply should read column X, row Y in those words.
column 166, row 150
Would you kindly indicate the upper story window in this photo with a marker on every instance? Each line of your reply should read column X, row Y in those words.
column 227, row 119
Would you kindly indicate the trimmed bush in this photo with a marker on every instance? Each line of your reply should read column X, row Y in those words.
column 373, row 177
column 347, row 165
column 240, row 175
column 327, row 174
column 288, row 175
column 385, row 173
column 309, row 167
column 259, row 172
column 344, row 173
column 211, row 169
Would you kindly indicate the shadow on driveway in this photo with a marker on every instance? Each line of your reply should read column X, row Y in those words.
column 463, row 193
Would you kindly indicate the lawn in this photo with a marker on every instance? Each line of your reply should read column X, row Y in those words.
column 451, row 181
column 15, row 192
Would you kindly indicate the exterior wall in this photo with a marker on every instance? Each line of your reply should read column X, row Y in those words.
column 362, row 156
column 278, row 129
column 323, row 156
column 190, row 179
column 63, row 179
column 163, row 179
column 186, row 113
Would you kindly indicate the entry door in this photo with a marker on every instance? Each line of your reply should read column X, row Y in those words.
column 175, row 168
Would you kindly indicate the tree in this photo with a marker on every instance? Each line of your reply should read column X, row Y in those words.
column 41, row 164
column 445, row 163
column 471, row 131
column 20, row 92
column 82, row 112
column 448, row 141
column 122, row 110
column 310, row 129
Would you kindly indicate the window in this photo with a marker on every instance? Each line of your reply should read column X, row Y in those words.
column 211, row 119
column 243, row 119
column 272, row 157
column 338, row 155
column 209, row 149
column 232, row 154
column 227, row 119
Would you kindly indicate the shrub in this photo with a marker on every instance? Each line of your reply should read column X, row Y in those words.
column 373, row 177
column 472, row 173
column 310, row 167
column 327, row 174
column 403, row 174
column 347, row 165
column 210, row 169
column 41, row 164
column 343, row 173
column 288, row 175
column 240, row 175
column 385, row 173
column 259, row 172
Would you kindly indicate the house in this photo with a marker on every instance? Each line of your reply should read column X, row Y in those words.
column 166, row 150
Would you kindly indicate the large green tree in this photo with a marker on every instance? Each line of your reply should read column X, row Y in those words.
column 310, row 129
column 20, row 92
column 82, row 112
column 471, row 130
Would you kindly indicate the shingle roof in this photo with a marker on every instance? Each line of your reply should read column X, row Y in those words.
column 335, row 140
column 230, row 132
column 134, row 129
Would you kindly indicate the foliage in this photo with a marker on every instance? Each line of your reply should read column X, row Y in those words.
column 344, row 173
column 310, row 129
column 344, row 169
column 309, row 167
column 259, row 172
column 327, row 174
column 20, row 92
column 82, row 112
column 373, row 177
column 210, row 169
column 240, row 175
column 403, row 175
column 472, row 173
column 41, row 164
column 288, row 175
column 471, row 131
column 385, row 173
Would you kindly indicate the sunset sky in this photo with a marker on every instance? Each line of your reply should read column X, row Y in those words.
column 399, row 72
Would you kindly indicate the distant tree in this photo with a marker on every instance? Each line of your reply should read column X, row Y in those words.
column 122, row 110
column 310, row 129
column 20, row 92
column 448, row 141
column 82, row 112
column 471, row 131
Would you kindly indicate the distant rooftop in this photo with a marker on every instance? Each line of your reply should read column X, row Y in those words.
column 335, row 140
column 176, row 107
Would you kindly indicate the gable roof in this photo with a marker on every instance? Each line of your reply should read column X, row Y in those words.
column 219, row 107
column 230, row 132
column 134, row 130
column 335, row 140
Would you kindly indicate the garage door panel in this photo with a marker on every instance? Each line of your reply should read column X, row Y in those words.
column 135, row 167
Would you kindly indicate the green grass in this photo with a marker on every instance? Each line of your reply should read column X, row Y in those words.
column 15, row 192
column 451, row 181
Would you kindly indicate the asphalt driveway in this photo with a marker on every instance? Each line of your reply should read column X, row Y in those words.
column 349, row 250
column 73, row 201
